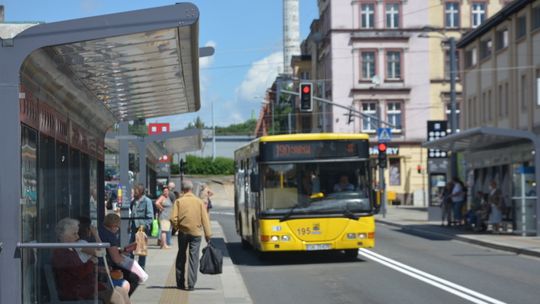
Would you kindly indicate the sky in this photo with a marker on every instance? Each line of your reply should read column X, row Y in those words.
column 246, row 34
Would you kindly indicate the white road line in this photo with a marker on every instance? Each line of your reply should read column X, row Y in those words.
column 221, row 212
column 443, row 284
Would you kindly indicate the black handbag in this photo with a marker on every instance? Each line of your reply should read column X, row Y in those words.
column 211, row 261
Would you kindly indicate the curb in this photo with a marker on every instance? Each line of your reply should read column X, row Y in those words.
column 521, row 251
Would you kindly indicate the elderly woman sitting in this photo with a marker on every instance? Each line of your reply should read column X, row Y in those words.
column 76, row 280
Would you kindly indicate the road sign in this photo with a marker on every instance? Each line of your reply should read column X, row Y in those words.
column 384, row 134
column 436, row 129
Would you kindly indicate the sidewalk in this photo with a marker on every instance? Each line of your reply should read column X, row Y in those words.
column 415, row 220
column 227, row 287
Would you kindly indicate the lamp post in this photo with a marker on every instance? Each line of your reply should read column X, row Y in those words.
column 453, row 76
column 453, row 106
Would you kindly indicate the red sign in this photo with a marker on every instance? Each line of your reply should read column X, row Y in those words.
column 165, row 159
column 158, row 128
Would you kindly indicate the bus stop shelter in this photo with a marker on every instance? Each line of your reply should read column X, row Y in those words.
column 96, row 72
column 491, row 138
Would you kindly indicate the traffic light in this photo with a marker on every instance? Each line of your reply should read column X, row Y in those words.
column 382, row 155
column 306, row 96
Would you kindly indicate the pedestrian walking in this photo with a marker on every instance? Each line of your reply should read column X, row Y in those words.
column 495, row 200
column 204, row 194
column 164, row 207
column 142, row 214
column 458, row 199
column 446, row 204
column 190, row 219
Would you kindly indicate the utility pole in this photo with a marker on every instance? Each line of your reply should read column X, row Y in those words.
column 213, row 134
column 453, row 106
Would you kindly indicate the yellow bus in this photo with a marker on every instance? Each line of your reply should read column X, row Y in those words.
column 305, row 192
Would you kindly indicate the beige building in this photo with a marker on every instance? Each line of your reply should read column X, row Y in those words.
column 501, row 110
column 373, row 57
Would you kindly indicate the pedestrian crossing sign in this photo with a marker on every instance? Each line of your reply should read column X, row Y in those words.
column 384, row 134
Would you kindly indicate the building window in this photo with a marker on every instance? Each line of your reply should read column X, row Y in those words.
column 470, row 58
column 478, row 13
column 394, row 171
column 393, row 65
column 449, row 116
column 304, row 75
column 536, row 17
column 501, row 100
column 447, row 64
column 501, row 39
column 368, row 65
column 491, row 107
column 451, row 14
column 394, row 115
column 506, row 99
column 538, row 87
column 521, row 27
column 367, row 11
column 392, row 15
column 369, row 124
column 485, row 49
column 524, row 92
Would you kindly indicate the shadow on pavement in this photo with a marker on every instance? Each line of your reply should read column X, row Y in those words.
column 251, row 257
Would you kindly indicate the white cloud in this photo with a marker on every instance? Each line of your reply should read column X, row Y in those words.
column 260, row 76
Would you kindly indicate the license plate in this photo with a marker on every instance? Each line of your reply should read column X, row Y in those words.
column 318, row 247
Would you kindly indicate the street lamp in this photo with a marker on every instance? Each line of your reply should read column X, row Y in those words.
column 453, row 76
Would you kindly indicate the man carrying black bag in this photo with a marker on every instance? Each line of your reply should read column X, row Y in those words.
column 211, row 260
column 189, row 217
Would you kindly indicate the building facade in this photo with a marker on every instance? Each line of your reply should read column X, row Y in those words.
column 501, row 80
column 388, row 62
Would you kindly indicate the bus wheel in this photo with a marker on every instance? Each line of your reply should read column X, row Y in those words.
column 351, row 253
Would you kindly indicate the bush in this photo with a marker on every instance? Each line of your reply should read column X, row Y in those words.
column 206, row 166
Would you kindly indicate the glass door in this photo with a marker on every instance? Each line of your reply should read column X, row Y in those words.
column 524, row 199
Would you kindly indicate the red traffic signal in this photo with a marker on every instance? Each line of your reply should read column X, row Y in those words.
column 306, row 97
column 382, row 147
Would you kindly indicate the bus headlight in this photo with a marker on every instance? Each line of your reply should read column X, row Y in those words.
column 274, row 238
column 351, row 236
column 285, row 238
column 362, row 235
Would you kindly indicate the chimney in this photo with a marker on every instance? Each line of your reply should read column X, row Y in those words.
column 1, row 14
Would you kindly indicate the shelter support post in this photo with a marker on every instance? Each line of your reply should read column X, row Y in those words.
column 10, row 188
column 141, row 177
column 536, row 143
column 124, row 181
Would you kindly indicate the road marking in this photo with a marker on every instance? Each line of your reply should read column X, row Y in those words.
column 443, row 284
column 222, row 213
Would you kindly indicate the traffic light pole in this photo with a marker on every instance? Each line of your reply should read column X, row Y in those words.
column 382, row 185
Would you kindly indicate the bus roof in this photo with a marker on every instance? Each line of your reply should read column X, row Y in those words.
column 314, row 136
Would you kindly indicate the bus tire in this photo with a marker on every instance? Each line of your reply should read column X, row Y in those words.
column 243, row 242
column 351, row 253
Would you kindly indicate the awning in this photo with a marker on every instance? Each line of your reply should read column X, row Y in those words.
column 119, row 67
column 172, row 142
column 482, row 138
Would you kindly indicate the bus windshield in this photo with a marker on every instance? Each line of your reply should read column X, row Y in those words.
column 318, row 188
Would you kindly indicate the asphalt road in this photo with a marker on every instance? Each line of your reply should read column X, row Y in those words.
column 403, row 268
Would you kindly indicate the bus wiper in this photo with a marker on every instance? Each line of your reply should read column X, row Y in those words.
column 288, row 214
column 347, row 212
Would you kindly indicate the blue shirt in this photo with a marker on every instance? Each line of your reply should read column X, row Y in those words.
column 142, row 213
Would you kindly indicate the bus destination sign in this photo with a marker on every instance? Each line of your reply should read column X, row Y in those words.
column 283, row 151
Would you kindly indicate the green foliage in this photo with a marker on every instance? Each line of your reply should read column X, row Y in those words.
column 197, row 124
column 245, row 128
column 175, row 169
column 205, row 166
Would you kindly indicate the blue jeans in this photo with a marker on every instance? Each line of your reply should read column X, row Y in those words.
column 457, row 210
column 169, row 237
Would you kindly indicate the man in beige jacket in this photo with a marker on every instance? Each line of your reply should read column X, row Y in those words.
column 190, row 219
